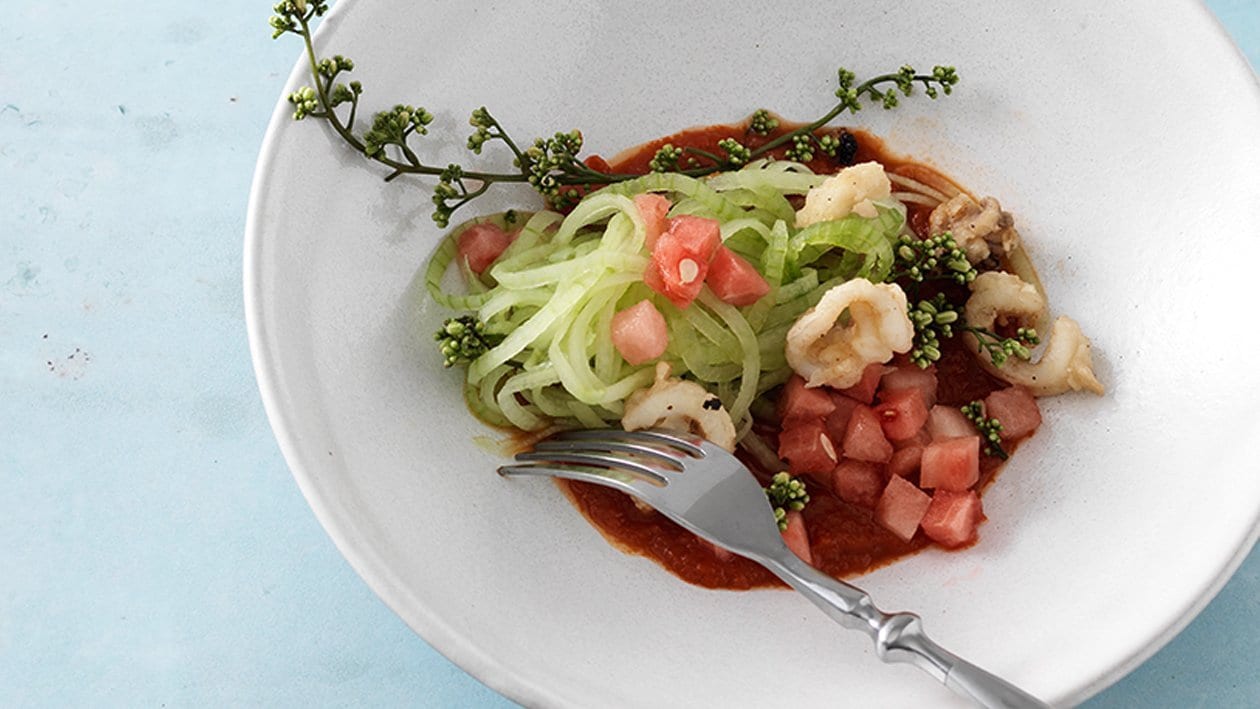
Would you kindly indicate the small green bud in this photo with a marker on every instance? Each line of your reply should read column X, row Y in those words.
column 762, row 123
column 829, row 145
column 786, row 491
column 736, row 152
column 666, row 158
column 305, row 102
column 463, row 339
column 988, row 428
column 802, row 149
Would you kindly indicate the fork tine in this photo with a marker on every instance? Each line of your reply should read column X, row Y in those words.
column 603, row 446
column 600, row 476
column 594, row 459
column 681, row 441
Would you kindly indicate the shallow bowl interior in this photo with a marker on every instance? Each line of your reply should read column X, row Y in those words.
column 1131, row 166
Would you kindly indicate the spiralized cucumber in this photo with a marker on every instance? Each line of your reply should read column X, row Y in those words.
column 553, row 293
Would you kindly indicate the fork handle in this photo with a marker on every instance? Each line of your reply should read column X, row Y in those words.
column 899, row 637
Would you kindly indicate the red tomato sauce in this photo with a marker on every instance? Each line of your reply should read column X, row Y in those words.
column 845, row 539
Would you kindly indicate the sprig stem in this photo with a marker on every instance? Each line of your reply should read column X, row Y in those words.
column 345, row 130
column 989, row 428
column 1001, row 348
column 550, row 165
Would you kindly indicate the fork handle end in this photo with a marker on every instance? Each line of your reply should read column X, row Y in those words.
column 901, row 639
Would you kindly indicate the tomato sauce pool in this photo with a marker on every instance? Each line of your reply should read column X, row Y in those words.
column 845, row 539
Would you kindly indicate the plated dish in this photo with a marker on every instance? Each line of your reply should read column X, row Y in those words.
column 802, row 319
column 363, row 422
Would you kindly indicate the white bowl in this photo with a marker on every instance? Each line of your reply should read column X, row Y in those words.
column 1125, row 143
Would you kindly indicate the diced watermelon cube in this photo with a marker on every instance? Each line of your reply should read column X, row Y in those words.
column 920, row 439
column 864, row 438
column 796, row 537
column 798, row 402
column 680, row 258
column 901, row 507
column 639, row 332
column 1016, row 409
column 857, row 482
column 807, row 449
column 952, row 464
column 901, row 413
column 946, row 422
column 481, row 244
column 653, row 279
column 905, row 461
column 733, row 280
column 864, row 390
column 838, row 420
column 909, row 376
column 653, row 208
column 952, row 518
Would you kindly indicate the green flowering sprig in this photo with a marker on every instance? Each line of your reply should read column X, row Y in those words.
column 1001, row 348
column 394, row 127
column 933, row 320
column 666, row 159
column 934, row 258
column 293, row 16
column 551, row 166
column 463, row 339
column 737, row 154
column 802, row 149
column 990, row 428
column 786, row 493
column 762, row 123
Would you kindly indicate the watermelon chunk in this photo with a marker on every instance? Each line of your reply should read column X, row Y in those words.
column 1016, row 409
column 838, row 420
column 946, row 422
column 920, row 439
column 733, row 280
column 653, row 208
column 864, row 438
column 953, row 464
column 864, row 390
column 901, row 413
column 798, row 402
column 952, row 518
column 905, row 461
column 909, row 376
column 481, row 245
column 807, row 448
column 680, row 258
column 858, row 482
column 901, row 507
column 639, row 332
column 796, row 537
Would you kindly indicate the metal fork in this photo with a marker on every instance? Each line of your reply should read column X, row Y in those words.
column 710, row 493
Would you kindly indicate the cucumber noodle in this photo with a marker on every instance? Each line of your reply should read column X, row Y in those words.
column 553, row 293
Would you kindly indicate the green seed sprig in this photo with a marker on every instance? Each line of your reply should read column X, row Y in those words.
column 550, row 165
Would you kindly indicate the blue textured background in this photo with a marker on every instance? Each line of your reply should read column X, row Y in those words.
column 154, row 549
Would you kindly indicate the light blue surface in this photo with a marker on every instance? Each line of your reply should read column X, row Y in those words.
column 154, row 549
